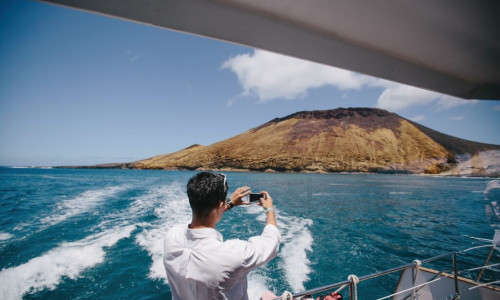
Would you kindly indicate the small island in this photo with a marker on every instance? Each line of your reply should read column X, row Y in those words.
column 338, row 140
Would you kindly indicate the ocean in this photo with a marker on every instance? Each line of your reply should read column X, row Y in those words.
column 98, row 234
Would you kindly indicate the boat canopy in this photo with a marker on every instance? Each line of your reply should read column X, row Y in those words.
column 447, row 46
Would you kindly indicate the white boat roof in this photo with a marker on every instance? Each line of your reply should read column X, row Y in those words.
column 448, row 46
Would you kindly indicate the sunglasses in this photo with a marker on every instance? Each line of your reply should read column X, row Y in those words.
column 224, row 183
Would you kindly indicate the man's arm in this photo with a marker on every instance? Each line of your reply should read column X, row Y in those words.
column 267, row 203
column 263, row 248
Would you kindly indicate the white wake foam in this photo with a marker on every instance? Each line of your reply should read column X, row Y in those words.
column 297, row 241
column 141, row 206
column 82, row 203
column 5, row 236
column 256, row 285
column 68, row 260
column 171, row 208
column 400, row 193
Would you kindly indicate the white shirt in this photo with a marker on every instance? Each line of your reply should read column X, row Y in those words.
column 200, row 265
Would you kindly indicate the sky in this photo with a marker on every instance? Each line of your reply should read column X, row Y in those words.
column 80, row 88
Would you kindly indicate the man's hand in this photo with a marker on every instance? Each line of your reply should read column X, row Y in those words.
column 238, row 194
column 266, row 201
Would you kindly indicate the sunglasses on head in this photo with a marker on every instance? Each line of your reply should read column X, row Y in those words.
column 224, row 183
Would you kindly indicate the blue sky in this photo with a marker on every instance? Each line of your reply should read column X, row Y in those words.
column 79, row 88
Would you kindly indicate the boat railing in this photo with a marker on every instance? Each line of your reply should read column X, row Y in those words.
column 354, row 280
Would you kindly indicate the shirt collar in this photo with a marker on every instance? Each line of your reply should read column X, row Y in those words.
column 203, row 233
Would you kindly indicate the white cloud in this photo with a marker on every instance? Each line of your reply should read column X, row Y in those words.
column 273, row 76
column 418, row 118
column 457, row 118
column 446, row 102
column 270, row 76
column 398, row 97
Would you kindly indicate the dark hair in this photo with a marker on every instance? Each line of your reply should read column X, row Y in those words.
column 205, row 191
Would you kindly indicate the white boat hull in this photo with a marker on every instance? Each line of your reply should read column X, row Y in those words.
column 444, row 288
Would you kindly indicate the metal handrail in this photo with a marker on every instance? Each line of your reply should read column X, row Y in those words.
column 366, row 277
column 453, row 254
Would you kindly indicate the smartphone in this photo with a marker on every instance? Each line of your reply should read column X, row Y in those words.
column 256, row 197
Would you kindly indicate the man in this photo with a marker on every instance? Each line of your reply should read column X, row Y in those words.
column 199, row 264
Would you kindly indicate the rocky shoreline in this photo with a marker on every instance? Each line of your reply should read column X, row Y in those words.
column 120, row 166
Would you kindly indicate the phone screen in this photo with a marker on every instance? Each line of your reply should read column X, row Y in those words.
column 255, row 197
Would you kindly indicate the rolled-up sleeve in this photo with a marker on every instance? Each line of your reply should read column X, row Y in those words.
column 263, row 248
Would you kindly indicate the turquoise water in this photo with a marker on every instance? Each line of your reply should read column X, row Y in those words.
column 94, row 234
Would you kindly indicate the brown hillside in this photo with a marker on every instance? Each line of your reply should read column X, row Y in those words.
column 353, row 139
column 453, row 144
